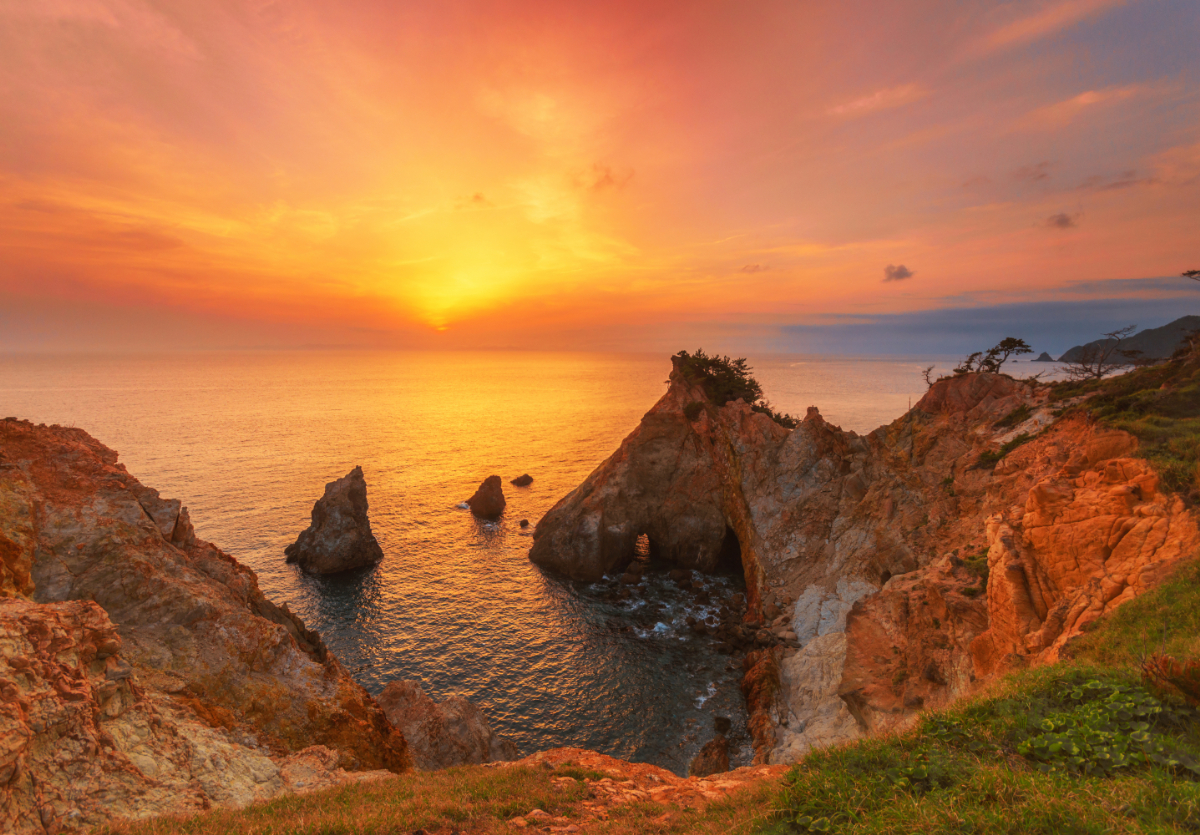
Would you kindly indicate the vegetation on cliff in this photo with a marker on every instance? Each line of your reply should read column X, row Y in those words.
column 1086, row 745
column 725, row 380
column 1160, row 406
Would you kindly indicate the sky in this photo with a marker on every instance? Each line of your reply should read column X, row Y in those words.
column 777, row 175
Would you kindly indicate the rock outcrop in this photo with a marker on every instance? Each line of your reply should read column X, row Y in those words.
column 440, row 735
column 488, row 501
column 907, row 564
column 142, row 671
column 339, row 538
column 522, row 480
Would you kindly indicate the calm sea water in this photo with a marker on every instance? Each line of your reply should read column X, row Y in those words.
column 248, row 442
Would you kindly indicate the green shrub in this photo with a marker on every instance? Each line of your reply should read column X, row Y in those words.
column 722, row 379
column 782, row 418
column 991, row 457
column 725, row 380
column 1014, row 418
column 1160, row 406
column 692, row 410
column 977, row 564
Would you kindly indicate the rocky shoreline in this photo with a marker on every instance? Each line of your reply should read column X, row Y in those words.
column 144, row 673
column 887, row 573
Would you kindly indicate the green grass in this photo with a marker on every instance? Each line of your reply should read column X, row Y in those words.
column 1160, row 406
column 466, row 799
column 1075, row 747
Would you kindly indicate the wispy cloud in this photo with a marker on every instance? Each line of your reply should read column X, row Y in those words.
column 1050, row 19
column 881, row 100
column 755, row 268
column 1033, row 173
column 1061, row 113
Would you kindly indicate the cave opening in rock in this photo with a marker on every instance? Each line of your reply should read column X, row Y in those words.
column 729, row 561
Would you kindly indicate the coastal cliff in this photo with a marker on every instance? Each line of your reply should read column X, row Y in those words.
column 142, row 670
column 974, row 535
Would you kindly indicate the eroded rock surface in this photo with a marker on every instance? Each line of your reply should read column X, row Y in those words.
column 142, row 670
column 874, row 546
column 440, row 735
column 339, row 538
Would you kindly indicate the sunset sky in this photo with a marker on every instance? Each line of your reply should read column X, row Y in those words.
column 751, row 176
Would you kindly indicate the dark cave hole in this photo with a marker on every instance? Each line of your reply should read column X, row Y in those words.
column 729, row 561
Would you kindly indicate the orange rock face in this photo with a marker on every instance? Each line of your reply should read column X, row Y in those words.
column 875, row 545
column 122, row 615
column 1093, row 532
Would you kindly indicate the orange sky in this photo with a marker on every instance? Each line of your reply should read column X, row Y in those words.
column 554, row 174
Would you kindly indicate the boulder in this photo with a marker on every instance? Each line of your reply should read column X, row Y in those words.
column 488, row 501
column 713, row 758
column 339, row 538
column 522, row 480
column 454, row 732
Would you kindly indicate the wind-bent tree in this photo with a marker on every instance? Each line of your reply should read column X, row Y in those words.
column 1101, row 358
column 995, row 357
column 1192, row 274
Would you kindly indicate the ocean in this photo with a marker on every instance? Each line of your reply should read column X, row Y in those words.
column 248, row 441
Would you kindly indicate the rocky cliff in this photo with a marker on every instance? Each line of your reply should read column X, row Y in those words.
column 973, row 535
column 142, row 670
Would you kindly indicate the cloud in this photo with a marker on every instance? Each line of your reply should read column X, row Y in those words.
column 755, row 268
column 475, row 201
column 1052, row 18
column 602, row 178
column 1062, row 220
column 896, row 272
column 881, row 100
column 1125, row 179
column 1063, row 112
column 1033, row 173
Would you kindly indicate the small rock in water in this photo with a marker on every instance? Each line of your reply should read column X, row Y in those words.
column 488, row 500
column 522, row 480
column 339, row 537
column 630, row 579
column 677, row 574
column 722, row 724
column 524, row 523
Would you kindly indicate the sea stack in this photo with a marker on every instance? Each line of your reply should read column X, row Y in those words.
column 488, row 500
column 522, row 480
column 339, row 537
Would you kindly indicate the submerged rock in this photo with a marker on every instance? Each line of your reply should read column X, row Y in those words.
column 488, row 501
column 339, row 537
column 454, row 732
column 713, row 758
column 522, row 480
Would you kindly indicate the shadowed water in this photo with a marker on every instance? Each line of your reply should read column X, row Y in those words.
column 248, row 441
